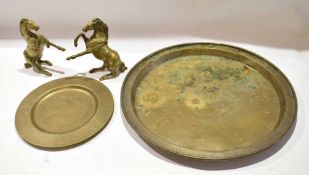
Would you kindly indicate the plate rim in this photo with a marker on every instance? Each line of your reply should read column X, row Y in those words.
column 209, row 155
column 35, row 95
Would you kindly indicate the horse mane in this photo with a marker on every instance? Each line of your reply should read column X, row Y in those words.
column 22, row 22
column 102, row 26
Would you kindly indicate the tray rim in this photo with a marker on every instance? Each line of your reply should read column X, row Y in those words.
column 181, row 151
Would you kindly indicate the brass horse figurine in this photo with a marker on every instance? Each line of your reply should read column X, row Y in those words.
column 97, row 45
column 35, row 46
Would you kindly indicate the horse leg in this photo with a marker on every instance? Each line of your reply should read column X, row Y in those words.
column 45, row 62
column 87, row 51
column 113, row 73
column 93, row 70
column 28, row 63
column 77, row 37
column 98, row 69
column 84, row 38
column 31, row 62
column 38, row 68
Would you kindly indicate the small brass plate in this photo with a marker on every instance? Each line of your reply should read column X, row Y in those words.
column 208, row 101
column 64, row 112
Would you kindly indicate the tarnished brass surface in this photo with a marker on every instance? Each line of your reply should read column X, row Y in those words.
column 64, row 112
column 208, row 101
column 97, row 45
column 35, row 46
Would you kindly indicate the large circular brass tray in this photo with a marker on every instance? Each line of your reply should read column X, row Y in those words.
column 208, row 101
column 64, row 112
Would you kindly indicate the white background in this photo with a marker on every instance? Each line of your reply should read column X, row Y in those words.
column 275, row 29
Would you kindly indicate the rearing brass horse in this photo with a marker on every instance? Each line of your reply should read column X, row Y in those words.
column 35, row 46
column 97, row 45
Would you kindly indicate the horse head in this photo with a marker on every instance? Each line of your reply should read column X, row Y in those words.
column 95, row 24
column 29, row 24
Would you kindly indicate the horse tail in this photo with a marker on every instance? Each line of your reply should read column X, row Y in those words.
column 122, row 67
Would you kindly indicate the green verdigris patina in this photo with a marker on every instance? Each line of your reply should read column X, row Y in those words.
column 207, row 97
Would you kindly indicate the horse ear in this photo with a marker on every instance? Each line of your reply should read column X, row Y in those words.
column 97, row 20
column 23, row 20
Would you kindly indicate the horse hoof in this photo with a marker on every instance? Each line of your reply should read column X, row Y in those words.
column 102, row 78
column 27, row 65
column 45, row 62
column 95, row 70
column 92, row 71
column 47, row 74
